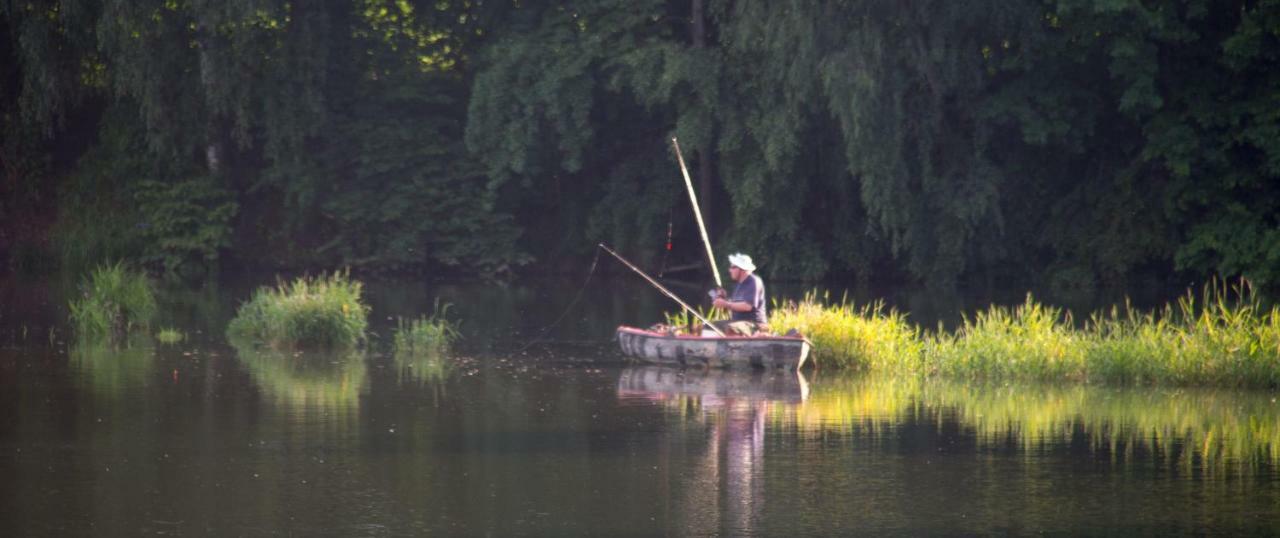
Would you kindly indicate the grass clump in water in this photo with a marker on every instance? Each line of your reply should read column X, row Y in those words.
column 170, row 335
column 426, row 335
column 114, row 301
column 323, row 312
column 869, row 337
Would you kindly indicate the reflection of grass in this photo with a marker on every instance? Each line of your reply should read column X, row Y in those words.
column 314, row 380
column 1223, row 338
column 111, row 370
column 1212, row 427
column 430, row 367
column 114, row 301
column 321, row 312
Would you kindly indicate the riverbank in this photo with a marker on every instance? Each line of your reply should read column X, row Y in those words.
column 1223, row 336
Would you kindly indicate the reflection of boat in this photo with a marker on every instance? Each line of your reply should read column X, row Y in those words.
column 785, row 352
column 755, row 385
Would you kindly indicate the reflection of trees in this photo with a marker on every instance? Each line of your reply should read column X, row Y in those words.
column 314, row 382
column 1190, row 426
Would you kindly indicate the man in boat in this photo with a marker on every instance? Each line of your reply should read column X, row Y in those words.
column 746, row 306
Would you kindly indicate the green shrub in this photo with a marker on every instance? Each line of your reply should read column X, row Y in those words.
column 320, row 312
column 114, row 300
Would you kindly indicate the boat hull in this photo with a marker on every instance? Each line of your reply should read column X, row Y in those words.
column 769, row 352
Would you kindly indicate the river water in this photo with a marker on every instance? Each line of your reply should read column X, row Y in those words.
column 530, row 432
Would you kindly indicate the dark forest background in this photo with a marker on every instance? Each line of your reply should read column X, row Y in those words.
column 1064, row 142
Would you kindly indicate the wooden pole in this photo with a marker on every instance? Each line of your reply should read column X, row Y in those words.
column 662, row 289
column 706, row 241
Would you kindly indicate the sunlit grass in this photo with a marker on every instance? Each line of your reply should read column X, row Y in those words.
column 1224, row 336
column 321, row 312
column 170, row 336
column 869, row 337
column 114, row 301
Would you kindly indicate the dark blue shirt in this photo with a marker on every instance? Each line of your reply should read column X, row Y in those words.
column 750, row 291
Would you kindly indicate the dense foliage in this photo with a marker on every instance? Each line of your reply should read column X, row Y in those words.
column 1067, row 141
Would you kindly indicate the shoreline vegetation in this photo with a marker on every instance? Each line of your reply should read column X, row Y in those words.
column 1224, row 336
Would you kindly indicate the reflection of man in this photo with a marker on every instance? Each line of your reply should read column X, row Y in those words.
column 746, row 306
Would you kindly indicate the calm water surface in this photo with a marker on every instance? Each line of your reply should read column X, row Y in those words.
column 513, row 437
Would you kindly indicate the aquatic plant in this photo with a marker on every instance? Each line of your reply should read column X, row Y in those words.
column 170, row 335
column 319, row 312
column 1222, row 337
column 114, row 300
column 869, row 337
column 1028, row 341
column 426, row 335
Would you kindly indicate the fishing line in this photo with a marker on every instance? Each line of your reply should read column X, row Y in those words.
column 594, row 261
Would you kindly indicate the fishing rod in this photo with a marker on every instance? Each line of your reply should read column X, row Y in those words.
column 715, row 271
column 662, row 289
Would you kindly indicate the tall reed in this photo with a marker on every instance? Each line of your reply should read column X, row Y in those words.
column 114, row 301
column 869, row 337
column 426, row 335
column 1223, row 336
column 320, row 312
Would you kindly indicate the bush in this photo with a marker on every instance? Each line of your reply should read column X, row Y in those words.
column 114, row 301
column 321, row 312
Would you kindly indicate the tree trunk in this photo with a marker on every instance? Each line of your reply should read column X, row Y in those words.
column 213, row 134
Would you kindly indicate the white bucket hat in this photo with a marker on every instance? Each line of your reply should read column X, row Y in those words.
column 743, row 261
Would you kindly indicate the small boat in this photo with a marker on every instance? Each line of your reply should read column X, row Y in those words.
column 771, row 352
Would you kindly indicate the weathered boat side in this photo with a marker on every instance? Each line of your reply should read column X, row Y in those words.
column 785, row 352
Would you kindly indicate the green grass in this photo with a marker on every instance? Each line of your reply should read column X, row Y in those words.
column 323, row 312
column 1222, row 337
column 170, row 336
column 424, row 336
column 868, row 337
column 114, row 301
column 687, row 323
